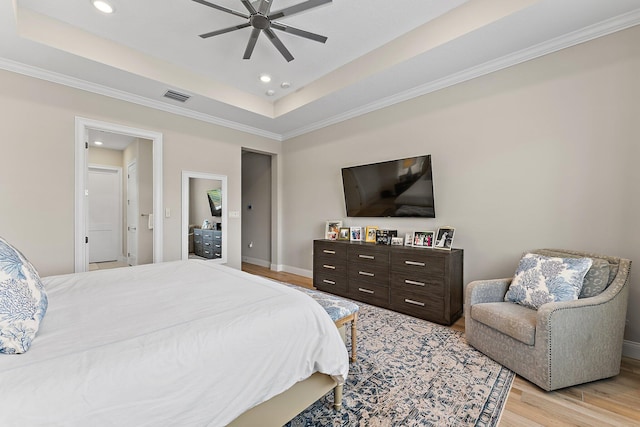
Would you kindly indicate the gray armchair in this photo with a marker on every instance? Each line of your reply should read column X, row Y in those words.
column 562, row 343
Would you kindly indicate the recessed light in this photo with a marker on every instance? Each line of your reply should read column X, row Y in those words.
column 97, row 142
column 285, row 85
column 265, row 78
column 270, row 92
column 102, row 6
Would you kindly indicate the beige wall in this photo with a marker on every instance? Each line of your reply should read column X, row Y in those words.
column 543, row 154
column 37, row 176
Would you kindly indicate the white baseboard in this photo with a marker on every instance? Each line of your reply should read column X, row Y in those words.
column 256, row 261
column 631, row 349
column 296, row 270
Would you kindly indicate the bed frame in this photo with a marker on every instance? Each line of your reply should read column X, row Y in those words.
column 280, row 409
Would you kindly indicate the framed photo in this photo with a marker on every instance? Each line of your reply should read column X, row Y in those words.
column 408, row 239
column 343, row 233
column 370, row 233
column 444, row 238
column 332, row 226
column 356, row 234
column 397, row 241
column 332, row 235
column 423, row 239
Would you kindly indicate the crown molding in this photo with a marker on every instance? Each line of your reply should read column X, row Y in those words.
column 601, row 29
column 583, row 35
column 73, row 82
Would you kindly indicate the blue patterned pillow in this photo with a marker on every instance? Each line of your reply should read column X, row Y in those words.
column 23, row 300
column 540, row 279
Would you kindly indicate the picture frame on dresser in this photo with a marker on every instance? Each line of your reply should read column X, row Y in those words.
column 344, row 233
column 408, row 239
column 332, row 226
column 370, row 233
column 356, row 234
column 444, row 238
column 423, row 239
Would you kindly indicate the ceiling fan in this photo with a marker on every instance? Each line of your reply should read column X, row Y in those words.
column 262, row 19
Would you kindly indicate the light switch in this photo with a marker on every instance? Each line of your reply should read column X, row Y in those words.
column 167, row 212
column 234, row 214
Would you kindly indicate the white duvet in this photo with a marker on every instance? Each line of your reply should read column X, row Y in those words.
column 185, row 343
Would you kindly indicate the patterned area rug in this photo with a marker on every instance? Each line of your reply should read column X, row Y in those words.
column 411, row 372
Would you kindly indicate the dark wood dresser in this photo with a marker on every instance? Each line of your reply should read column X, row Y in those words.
column 421, row 282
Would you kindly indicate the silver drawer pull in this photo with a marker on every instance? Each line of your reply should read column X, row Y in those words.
column 366, row 273
column 207, row 243
column 327, row 251
column 413, row 282
column 410, row 301
column 366, row 291
column 367, row 256
column 328, row 282
column 419, row 264
column 217, row 246
column 332, row 267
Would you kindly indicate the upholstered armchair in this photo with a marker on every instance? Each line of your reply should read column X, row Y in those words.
column 561, row 343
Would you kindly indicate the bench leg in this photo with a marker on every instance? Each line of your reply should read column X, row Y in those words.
column 337, row 397
column 353, row 337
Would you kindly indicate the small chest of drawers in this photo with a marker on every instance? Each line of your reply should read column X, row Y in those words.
column 207, row 243
column 421, row 282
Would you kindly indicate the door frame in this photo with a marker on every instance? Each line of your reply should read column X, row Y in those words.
column 118, row 171
column 81, row 252
column 186, row 175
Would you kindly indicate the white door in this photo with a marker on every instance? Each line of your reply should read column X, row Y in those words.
column 132, row 214
column 103, row 185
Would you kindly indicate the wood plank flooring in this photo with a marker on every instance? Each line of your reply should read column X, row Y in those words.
column 610, row 402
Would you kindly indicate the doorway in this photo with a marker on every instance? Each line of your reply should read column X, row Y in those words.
column 257, row 209
column 82, row 241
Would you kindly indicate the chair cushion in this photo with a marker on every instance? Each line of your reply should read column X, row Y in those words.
column 540, row 280
column 23, row 300
column 597, row 278
column 514, row 320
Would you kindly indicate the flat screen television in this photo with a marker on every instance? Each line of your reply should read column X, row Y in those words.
column 395, row 188
column 215, row 201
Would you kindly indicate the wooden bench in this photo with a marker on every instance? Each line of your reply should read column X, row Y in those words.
column 340, row 310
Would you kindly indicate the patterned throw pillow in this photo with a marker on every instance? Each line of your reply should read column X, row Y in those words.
column 23, row 300
column 540, row 279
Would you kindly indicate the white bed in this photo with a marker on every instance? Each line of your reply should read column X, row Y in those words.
column 178, row 343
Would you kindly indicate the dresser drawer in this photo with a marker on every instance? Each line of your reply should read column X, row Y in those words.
column 323, row 265
column 422, row 262
column 419, row 305
column 370, row 273
column 420, row 284
column 369, row 293
column 328, row 249
column 330, row 283
column 368, row 254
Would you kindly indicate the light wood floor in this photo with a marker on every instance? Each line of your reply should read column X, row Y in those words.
column 611, row 402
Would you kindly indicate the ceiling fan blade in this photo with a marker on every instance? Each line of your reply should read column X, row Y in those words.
column 223, row 9
column 278, row 44
column 265, row 7
column 249, row 6
column 298, row 32
column 252, row 43
column 288, row 11
column 224, row 30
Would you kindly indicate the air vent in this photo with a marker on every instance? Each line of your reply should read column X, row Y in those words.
column 177, row 96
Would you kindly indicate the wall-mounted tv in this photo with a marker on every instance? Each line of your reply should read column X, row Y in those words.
column 215, row 201
column 396, row 188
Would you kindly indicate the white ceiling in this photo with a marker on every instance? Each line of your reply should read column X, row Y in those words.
column 378, row 52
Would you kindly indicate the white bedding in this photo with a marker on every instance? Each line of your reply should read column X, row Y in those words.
column 179, row 343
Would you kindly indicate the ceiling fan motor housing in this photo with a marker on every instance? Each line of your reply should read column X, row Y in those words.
column 260, row 21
